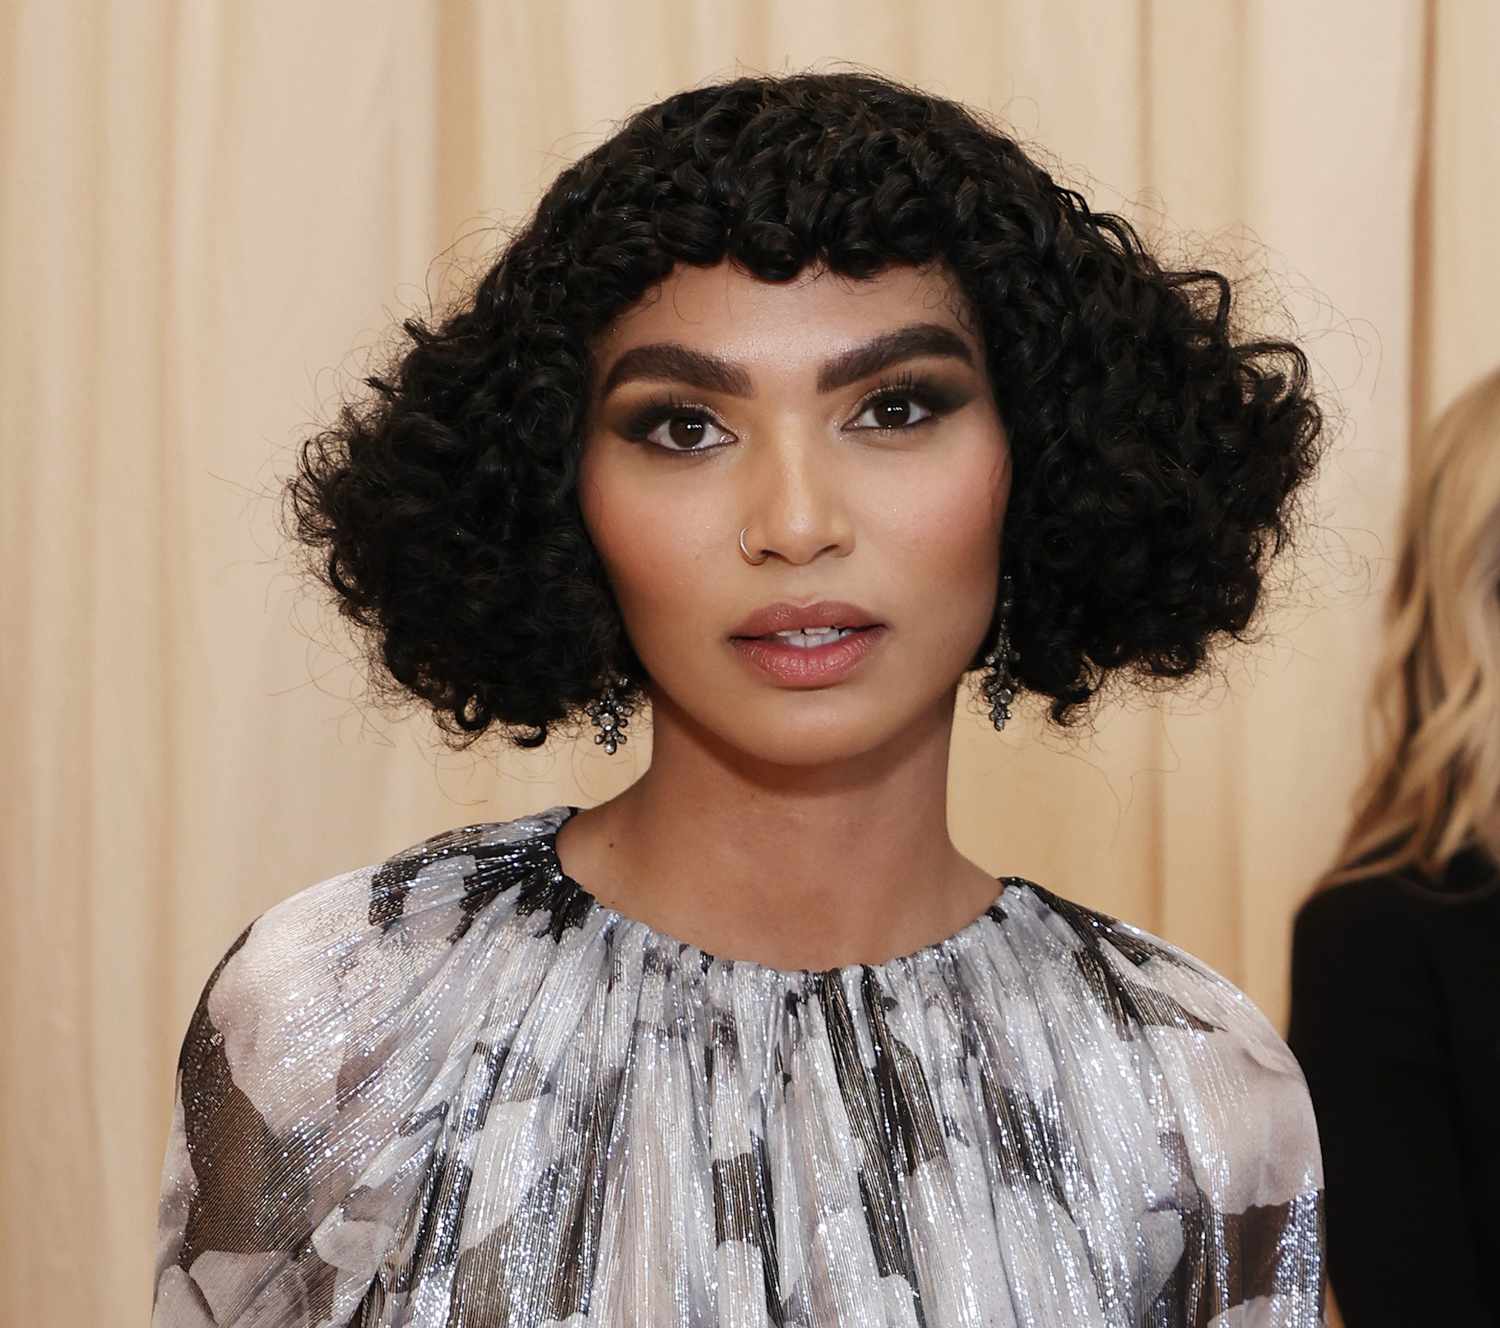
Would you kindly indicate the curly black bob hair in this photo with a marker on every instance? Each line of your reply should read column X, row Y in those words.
column 1156, row 455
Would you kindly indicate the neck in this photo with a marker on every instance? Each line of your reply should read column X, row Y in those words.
column 792, row 867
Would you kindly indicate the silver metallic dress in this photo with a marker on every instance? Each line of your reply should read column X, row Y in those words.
column 455, row 1090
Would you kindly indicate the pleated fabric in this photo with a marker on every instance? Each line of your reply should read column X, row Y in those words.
column 454, row 1089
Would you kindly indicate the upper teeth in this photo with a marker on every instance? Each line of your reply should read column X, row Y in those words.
column 812, row 636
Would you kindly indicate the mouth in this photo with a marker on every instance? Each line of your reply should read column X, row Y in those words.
column 809, row 657
column 807, row 638
column 805, row 626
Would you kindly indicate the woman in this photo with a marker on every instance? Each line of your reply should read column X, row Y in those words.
column 797, row 401
column 1396, row 965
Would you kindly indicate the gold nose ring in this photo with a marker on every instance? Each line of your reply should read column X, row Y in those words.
column 754, row 562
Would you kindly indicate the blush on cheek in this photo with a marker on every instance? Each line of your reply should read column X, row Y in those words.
column 653, row 544
column 953, row 518
column 948, row 535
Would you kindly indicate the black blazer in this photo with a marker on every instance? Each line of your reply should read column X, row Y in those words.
column 1396, row 1020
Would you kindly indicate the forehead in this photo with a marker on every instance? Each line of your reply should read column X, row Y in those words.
column 783, row 325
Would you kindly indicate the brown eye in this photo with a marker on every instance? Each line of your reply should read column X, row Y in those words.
column 678, row 429
column 899, row 410
column 684, row 432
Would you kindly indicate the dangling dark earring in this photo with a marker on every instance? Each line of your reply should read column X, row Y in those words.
column 999, row 684
column 611, row 714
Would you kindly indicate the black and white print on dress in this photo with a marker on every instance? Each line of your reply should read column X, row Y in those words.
column 454, row 1090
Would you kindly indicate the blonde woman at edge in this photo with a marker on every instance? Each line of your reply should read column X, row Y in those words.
column 1396, row 961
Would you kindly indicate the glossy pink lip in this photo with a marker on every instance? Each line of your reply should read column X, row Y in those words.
column 787, row 617
column 819, row 666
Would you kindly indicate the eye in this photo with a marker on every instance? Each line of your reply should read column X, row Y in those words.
column 892, row 410
column 906, row 401
column 678, row 428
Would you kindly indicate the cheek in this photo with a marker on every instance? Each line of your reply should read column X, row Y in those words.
column 948, row 522
column 653, row 538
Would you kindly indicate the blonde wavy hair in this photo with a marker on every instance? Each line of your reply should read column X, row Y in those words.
column 1434, row 785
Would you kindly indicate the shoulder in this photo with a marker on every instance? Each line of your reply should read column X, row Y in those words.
column 429, row 893
column 1151, row 982
column 1374, row 902
column 1233, row 1086
column 1395, row 925
column 313, row 1067
column 1469, row 878
column 343, row 956
column 1381, row 966
column 1175, row 1072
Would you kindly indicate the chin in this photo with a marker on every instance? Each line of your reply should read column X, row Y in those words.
column 802, row 736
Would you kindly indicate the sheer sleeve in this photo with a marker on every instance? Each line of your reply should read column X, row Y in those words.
column 306, row 1104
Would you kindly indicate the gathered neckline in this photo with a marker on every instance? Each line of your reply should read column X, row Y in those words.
column 992, row 916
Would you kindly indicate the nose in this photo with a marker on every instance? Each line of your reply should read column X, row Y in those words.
column 795, row 506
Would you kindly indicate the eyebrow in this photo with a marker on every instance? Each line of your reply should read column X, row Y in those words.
column 673, row 362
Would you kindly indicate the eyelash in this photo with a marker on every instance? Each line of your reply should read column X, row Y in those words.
column 935, row 400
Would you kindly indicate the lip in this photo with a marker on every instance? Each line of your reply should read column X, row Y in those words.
column 789, row 617
column 817, row 666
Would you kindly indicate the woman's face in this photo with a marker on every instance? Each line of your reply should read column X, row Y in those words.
column 850, row 429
